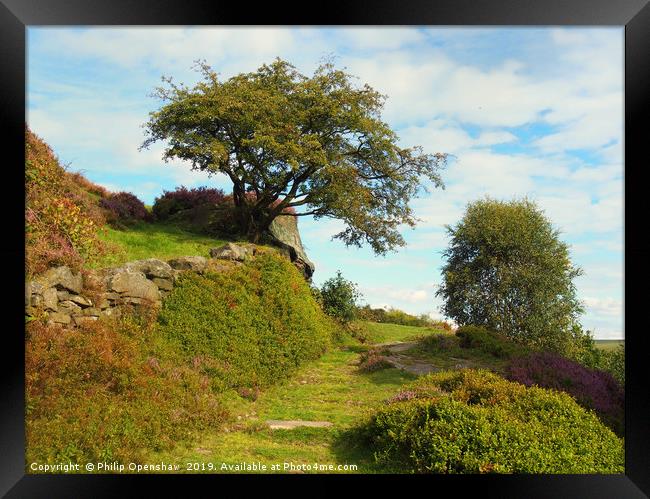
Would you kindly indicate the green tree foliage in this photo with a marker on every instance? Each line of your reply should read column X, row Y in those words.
column 339, row 298
column 316, row 144
column 507, row 270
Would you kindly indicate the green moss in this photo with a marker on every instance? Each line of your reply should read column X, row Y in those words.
column 257, row 322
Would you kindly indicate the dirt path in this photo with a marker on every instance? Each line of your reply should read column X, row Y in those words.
column 411, row 363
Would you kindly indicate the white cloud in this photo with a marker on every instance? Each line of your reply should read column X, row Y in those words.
column 603, row 306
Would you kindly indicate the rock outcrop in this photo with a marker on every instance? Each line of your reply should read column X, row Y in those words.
column 283, row 233
column 231, row 251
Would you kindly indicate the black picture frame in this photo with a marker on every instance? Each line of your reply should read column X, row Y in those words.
column 634, row 15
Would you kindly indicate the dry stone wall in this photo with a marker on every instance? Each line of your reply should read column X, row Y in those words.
column 65, row 298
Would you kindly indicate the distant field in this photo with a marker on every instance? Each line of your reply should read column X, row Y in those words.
column 609, row 344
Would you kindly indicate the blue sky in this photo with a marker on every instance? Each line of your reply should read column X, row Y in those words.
column 534, row 112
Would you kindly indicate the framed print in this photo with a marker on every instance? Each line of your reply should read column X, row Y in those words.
column 396, row 244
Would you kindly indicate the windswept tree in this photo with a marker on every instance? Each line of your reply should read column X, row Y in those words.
column 315, row 144
column 508, row 270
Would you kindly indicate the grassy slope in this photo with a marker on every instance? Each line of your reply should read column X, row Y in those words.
column 328, row 389
column 386, row 333
column 153, row 240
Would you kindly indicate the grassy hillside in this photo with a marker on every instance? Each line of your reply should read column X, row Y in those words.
column 152, row 240
column 118, row 388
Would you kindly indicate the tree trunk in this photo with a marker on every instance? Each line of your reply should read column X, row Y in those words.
column 258, row 224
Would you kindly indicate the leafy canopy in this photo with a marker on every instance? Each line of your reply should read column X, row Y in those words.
column 507, row 270
column 316, row 144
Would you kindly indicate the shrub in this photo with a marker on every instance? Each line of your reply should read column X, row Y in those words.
column 182, row 198
column 395, row 316
column 489, row 342
column 507, row 270
column 613, row 361
column 582, row 347
column 124, row 207
column 592, row 388
column 110, row 390
column 438, row 342
column 476, row 422
column 61, row 219
column 367, row 313
column 340, row 298
column 258, row 321
column 373, row 360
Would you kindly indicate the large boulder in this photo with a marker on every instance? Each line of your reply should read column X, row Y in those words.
column 231, row 251
column 195, row 263
column 61, row 278
column 151, row 268
column 283, row 233
column 130, row 283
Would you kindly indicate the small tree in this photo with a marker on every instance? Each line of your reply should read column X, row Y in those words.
column 339, row 298
column 285, row 140
column 507, row 270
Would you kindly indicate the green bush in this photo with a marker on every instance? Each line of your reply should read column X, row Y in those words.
column 258, row 321
column 339, row 298
column 489, row 342
column 613, row 361
column 476, row 422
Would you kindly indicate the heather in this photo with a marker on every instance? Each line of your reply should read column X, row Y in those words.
column 592, row 388
column 182, row 198
column 476, row 422
column 123, row 208
column 62, row 219
column 373, row 360
column 111, row 390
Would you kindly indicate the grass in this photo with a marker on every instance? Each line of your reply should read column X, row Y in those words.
column 328, row 389
column 153, row 240
column 385, row 332
column 453, row 356
column 609, row 344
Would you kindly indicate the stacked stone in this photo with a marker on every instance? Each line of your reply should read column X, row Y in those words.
column 59, row 290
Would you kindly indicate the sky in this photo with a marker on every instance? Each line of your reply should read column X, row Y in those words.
column 534, row 112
